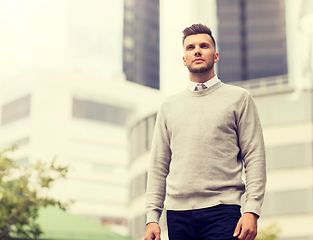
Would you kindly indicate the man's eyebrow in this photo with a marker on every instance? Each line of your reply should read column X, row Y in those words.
column 202, row 43
column 190, row 44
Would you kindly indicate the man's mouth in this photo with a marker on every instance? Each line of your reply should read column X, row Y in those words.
column 198, row 60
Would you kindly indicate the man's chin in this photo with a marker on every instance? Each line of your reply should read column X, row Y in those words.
column 199, row 70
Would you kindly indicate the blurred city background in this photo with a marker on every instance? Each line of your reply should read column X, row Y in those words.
column 82, row 80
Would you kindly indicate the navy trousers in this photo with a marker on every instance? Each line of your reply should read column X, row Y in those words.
column 213, row 223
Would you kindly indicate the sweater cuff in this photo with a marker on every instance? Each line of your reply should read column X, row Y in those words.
column 253, row 207
column 153, row 216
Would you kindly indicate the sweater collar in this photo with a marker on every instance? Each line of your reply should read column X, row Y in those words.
column 192, row 85
column 204, row 92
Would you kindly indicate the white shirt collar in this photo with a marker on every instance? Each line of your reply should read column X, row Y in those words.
column 192, row 85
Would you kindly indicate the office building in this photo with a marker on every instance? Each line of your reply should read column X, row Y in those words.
column 81, row 120
column 251, row 39
column 141, row 42
column 287, row 125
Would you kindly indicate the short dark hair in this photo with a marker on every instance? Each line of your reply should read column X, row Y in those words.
column 197, row 29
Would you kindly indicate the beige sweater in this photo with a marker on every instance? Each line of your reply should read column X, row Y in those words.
column 201, row 143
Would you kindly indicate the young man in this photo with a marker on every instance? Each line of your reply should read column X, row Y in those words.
column 203, row 138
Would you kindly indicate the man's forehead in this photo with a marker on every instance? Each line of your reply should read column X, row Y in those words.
column 198, row 38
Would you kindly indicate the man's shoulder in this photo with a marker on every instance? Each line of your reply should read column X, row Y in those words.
column 235, row 90
column 175, row 97
column 173, row 100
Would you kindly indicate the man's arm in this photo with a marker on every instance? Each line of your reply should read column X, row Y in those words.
column 251, row 143
column 158, row 171
column 252, row 147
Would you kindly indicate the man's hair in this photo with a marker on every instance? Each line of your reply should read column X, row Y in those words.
column 197, row 29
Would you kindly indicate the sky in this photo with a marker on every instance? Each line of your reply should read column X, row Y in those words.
column 31, row 31
column 54, row 33
column 40, row 33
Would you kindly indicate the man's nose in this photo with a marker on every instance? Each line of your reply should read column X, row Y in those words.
column 197, row 51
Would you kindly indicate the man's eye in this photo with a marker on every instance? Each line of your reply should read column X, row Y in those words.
column 205, row 46
column 189, row 47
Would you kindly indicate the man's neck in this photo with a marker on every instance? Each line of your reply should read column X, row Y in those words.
column 201, row 77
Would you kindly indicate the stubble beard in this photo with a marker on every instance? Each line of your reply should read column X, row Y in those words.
column 203, row 69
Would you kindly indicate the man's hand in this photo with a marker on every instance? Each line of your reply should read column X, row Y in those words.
column 153, row 231
column 246, row 228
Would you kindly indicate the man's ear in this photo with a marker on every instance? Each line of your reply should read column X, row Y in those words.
column 184, row 61
column 216, row 57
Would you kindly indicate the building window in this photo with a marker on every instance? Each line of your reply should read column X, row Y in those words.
column 138, row 226
column 150, row 129
column 256, row 28
column 128, row 57
column 101, row 112
column 138, row 185
column 129, row 15
column 100, row 167
column 287, row 156
column 15, row 110
column 129, row 3
column 141, row 135
column 129, row 42
column 288, row 202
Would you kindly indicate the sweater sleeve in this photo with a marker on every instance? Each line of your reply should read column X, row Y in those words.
column 252, row 148
column 158, row 169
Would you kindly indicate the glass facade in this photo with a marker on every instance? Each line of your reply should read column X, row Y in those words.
column 100, row 112
column 138, row 226
column 280, row 157
column 288, row 202
column 141, row 136
column 251, row 39
column 141, row 42
column 15, row 110
column 138, row 185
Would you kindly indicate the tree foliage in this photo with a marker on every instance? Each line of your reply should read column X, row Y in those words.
column 21, row 195
column 269, row 233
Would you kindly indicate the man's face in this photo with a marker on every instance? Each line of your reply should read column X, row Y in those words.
column 199, row 53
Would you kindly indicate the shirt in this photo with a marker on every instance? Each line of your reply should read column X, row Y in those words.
column 208, row 84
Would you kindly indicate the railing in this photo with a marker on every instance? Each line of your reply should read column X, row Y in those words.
column 277, row 82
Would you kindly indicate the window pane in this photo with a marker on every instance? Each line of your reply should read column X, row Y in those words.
column 15, row 110
column 100, row 112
